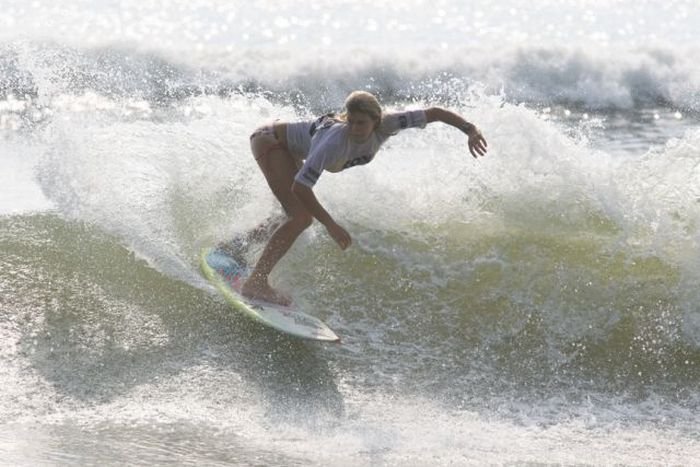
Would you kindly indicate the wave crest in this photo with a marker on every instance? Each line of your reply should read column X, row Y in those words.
column 610, row 80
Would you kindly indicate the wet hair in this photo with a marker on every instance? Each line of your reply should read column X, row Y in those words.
column 362, row 101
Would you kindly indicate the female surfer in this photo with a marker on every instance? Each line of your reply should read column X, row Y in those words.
column 292, row 157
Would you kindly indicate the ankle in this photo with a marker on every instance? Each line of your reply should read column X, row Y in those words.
column 256, row 280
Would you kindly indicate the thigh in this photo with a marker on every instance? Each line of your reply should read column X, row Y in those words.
column 279, row 168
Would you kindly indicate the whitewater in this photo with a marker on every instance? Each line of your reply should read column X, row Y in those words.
column 537, row 306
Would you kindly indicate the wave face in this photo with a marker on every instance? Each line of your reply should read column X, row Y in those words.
column 547, row 273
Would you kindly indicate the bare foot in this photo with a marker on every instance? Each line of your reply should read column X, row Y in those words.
column 264, row 293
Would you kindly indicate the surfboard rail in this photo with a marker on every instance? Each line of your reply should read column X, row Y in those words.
column 225, row 274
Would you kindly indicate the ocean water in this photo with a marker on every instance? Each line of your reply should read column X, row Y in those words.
column 538, row 306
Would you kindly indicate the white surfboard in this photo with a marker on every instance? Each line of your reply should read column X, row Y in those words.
column 227, row 276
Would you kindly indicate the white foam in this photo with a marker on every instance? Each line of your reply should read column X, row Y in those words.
column 599, row 63
column 20, row 193
column 375, row 429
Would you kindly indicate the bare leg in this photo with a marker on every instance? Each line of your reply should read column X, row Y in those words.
column 237, row 246
column 279, row 169
column 265, row 229
column 257, row 285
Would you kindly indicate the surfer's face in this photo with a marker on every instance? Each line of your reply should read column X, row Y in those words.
column 360, row 126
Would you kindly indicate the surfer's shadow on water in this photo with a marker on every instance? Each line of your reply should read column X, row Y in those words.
column 294, row 378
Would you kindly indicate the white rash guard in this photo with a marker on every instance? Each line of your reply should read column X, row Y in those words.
column 324, row 144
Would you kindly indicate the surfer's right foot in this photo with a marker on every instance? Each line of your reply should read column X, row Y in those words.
column 264, row 293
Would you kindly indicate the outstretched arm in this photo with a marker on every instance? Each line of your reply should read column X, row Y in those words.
column 477, row 143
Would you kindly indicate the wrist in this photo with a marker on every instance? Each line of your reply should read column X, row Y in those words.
column 468, row 128
column 326, row 220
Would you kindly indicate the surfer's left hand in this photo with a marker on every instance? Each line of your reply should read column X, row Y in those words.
column 477, row 143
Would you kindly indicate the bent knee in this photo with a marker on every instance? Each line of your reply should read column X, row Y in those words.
column 302, row 220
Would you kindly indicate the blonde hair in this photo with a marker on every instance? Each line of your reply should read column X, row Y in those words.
column 365, row 102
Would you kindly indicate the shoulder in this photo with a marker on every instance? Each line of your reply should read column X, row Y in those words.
column 324, row 122
column 329, row 136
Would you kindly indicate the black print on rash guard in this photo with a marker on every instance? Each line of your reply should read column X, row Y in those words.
column 362, row 160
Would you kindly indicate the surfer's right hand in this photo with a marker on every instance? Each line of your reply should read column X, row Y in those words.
column 339, row 234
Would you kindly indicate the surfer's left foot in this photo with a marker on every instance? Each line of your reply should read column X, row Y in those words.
column 264, row 293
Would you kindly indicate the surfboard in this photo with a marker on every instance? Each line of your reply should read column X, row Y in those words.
column 227, row 275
